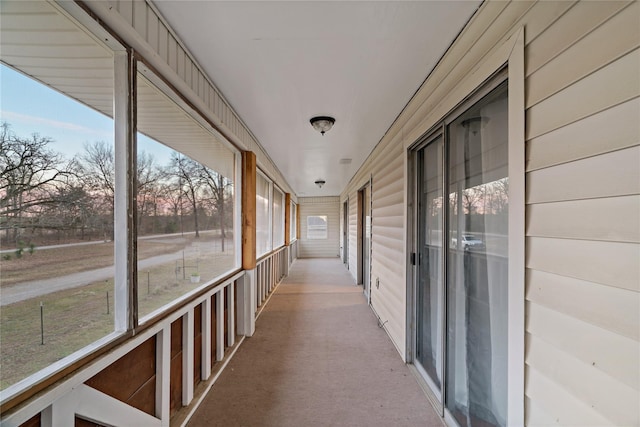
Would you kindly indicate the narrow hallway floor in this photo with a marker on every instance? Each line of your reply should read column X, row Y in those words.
column 317, row 358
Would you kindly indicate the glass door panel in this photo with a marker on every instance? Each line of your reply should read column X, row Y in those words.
column 429, row 291
column 476, row 389
column 366, row 241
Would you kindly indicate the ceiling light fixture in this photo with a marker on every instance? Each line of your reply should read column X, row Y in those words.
column 320, row 182
column 322, row 123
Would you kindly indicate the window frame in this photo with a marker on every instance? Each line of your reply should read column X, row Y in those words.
column 326, row 228
column 293, row 223
column 269, row 215
column 278, row 241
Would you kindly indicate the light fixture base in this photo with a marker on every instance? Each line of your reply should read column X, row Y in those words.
column 322, row 123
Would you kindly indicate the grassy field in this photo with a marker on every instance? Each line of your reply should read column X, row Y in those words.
column 74, row 318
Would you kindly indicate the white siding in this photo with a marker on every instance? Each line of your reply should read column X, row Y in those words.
column 582, row 201
column 353, row 234
column 320, row 248
column 388, row 260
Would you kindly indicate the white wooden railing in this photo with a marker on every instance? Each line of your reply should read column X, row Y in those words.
column 269, row 272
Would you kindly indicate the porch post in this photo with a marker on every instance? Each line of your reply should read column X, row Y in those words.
column 246, row 286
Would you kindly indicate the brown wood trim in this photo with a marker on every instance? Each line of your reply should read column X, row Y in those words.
column 44, row 384
column 287, row 219
column 131, row 378
column 248, row 210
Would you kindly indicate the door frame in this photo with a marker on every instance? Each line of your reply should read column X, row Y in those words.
column 439, row 131
column 366, row 288
column 345, row 232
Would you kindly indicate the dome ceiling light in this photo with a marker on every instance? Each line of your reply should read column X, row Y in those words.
column 320, row 182
column 322, row 123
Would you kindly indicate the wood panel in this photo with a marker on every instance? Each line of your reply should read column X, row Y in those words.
column 223, row 294
column 32, row 422
column 175, row 381
column 214, row 330
column 588, row 137
column 609, row 86
column 197, row 344
column 614, row 309
column 249, row 173
column 131, row 378
column 609, row 219
column 608, row 175
column 80, row 422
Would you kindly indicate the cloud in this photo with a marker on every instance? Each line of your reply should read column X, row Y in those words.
column 10, row 116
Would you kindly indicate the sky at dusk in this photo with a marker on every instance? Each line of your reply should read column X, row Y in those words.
column 31, row 107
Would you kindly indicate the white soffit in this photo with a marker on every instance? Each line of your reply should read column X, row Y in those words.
column 281, row 63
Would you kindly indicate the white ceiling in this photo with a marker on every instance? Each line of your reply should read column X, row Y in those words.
column 281, row 63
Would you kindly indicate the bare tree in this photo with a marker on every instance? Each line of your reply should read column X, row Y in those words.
column 148, row 188
column 219, row 187
column 99, row 172
column 185, row 170
column 30, row 172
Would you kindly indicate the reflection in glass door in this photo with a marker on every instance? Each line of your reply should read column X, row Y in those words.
column 477, row 266
column 365, row 223
column 429, row 290
column 345, row 233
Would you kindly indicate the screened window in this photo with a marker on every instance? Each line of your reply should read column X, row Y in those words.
column 293, row 223
column 263, row 215
column 278, row 218
column 317, row 227
column 56, row 190
column 185, row 201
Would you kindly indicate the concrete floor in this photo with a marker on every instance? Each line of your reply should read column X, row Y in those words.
column 318, row 358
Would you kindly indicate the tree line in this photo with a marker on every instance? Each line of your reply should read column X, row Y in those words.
column 46, row 197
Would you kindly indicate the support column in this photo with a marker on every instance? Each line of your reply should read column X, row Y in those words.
column 248, row 210
column 247, row 285
column 247, row 305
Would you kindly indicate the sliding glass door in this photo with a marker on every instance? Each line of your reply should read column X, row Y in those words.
column 461, row 262
column 429, row 291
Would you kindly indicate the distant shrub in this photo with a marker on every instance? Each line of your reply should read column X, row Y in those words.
column 6, row 257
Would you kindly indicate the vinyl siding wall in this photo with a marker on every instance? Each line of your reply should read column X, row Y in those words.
column 320, row 248
column 582, row 89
